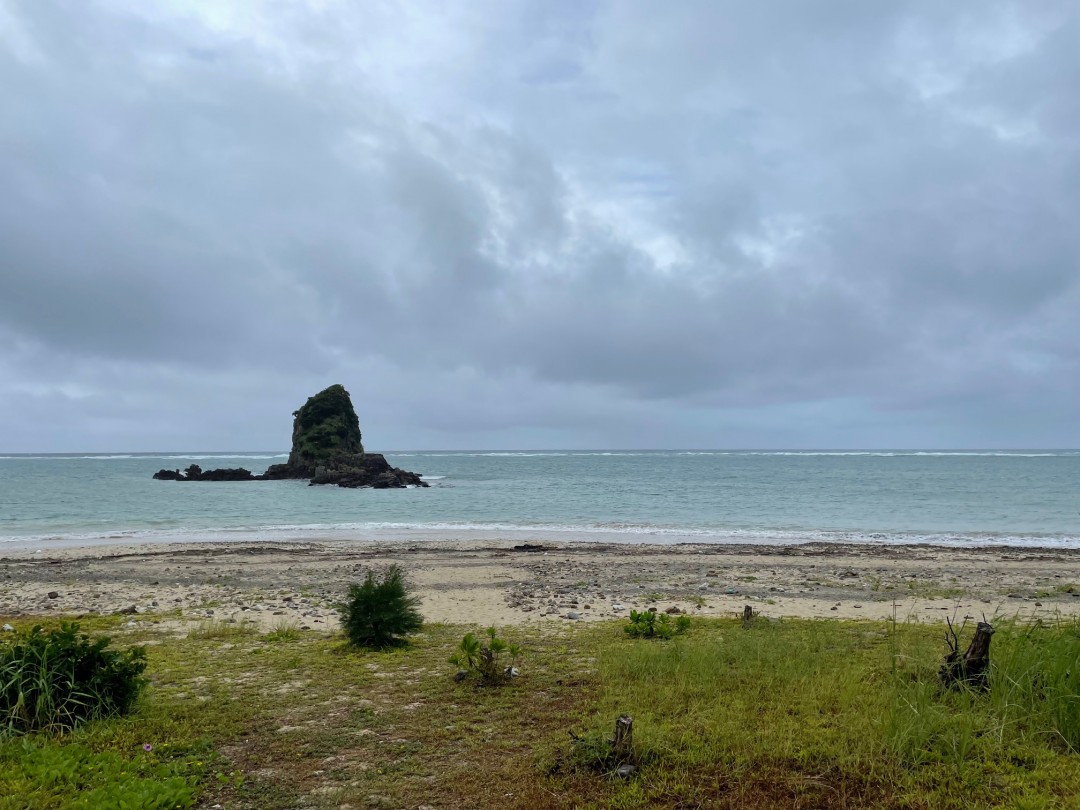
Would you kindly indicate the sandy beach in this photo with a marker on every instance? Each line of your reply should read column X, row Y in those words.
column 511, row 582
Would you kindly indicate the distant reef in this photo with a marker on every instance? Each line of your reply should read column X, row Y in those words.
column 326, row 449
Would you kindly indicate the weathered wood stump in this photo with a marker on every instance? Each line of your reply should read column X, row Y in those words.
column 973, row 667
column 622, row 744
column 748, row 615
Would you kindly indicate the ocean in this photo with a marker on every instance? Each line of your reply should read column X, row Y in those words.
column 970, row 498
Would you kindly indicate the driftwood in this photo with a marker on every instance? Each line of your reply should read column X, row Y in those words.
column 972, row 668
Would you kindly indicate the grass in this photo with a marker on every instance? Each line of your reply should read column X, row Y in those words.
column 780, row 714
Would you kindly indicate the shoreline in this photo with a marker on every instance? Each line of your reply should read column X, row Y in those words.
column 356, row 534
column 528, row 579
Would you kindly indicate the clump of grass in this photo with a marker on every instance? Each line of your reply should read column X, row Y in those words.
column 283, row 631
column 380, row 612
column 53, row 680
column 214, row 629
column 1033, row 699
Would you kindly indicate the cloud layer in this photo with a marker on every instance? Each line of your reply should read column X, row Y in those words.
column 557, row 224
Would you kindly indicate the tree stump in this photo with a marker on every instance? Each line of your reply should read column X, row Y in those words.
column 973, row 667
column 748, row 615
column 622, row 744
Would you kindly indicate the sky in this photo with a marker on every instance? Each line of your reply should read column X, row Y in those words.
column 547, row 224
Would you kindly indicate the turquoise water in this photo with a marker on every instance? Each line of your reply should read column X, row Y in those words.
column 970, row 498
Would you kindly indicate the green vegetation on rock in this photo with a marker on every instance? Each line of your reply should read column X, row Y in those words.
column 325, row 429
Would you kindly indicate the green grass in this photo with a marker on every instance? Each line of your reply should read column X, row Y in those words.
column 810, row 714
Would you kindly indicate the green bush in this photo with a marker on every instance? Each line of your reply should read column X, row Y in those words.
column 53, row 680
column 380, row 612
column 648, row 625
column 492, row 662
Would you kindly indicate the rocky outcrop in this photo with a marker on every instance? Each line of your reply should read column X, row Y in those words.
column 368, row 470
column 326, row 449
column 195, row 473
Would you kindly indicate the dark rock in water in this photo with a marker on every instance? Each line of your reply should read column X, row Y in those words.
column 325, row 432
column 367, row 470
column 326, row 449
column 227, row 474
column 195, row 473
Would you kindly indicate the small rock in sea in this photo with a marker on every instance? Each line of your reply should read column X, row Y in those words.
column 154, row 603
column 54, row 595
column 858, row 606
column 588, row 607
column 834, row 608
column 129, row 610
column 673, row 610
column 573, row 614
column 730, row 590
column 1038, row 604
column 617, row 607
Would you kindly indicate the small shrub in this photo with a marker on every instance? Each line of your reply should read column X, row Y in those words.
column 380, row 612
column 647, row 624
column 492, row 662
column 54, row 680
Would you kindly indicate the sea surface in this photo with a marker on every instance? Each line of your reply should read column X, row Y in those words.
column 970, row 498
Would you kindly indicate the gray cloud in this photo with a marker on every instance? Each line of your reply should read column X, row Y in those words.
column 537, row 225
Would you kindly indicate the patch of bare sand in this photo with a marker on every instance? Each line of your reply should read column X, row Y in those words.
column 481, row 582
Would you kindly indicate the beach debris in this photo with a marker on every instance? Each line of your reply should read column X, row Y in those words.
column 54, row 594
column 973, row 667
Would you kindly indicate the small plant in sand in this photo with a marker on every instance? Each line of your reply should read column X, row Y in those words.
column 53, row 680
column 380, row 612
column 492, row 661
column 647, row 624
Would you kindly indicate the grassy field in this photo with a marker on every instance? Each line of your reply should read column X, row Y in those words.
column 804, row 714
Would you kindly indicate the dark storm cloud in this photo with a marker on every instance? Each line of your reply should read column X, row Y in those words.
column 710, row 224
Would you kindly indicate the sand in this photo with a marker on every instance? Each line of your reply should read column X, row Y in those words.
column 512, row 583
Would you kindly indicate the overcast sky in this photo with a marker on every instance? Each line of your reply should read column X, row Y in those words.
column 550, row 224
